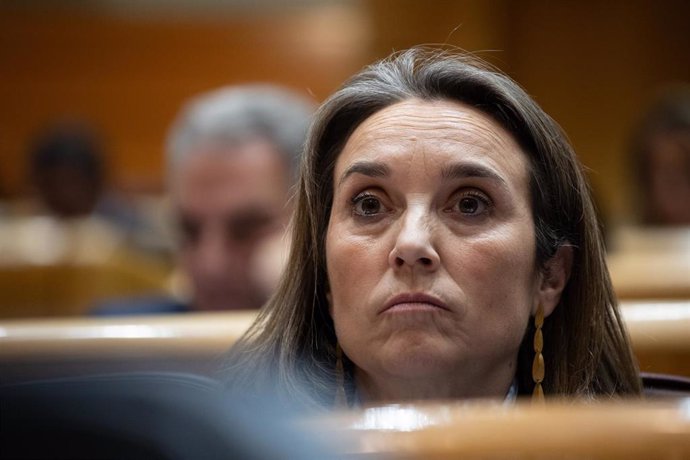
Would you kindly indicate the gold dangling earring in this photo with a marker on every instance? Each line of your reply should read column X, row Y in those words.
column 538, row 363
column 340, row 396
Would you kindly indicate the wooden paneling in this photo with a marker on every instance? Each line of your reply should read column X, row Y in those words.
column 73, row 289
column 592, row 65
column 479, row 26
column 129, row 74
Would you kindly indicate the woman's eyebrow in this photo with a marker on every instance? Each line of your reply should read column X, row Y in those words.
column 465, row 170
column 367, row 168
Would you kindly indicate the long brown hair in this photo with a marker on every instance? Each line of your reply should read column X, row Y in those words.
column 292, row 343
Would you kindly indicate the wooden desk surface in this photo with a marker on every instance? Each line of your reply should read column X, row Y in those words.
column 652, row 324
column 644, row 275
column 189, row 334
column 647, row 263
column 471, row 430
column 660, row 333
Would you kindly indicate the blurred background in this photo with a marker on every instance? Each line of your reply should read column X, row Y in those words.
column 121, row 69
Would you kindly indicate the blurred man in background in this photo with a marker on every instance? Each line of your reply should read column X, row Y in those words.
column 71, row 212
column 232, row 157
column 650, row 257
column 661, row 157
column 67, row 169
column 73, row 240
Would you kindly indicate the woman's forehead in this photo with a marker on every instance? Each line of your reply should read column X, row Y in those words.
column 440, row 130
column 416, row 118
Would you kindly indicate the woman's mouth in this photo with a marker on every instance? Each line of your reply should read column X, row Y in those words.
column 413, row 302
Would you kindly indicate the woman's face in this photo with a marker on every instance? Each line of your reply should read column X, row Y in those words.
column 431, row 252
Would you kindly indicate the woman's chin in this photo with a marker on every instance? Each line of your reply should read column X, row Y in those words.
column 421, row 360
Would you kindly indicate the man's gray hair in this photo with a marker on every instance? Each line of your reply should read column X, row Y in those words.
column 236, row 114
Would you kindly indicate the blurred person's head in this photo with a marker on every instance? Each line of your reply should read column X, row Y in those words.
column 232, row 155
column 66, row 168
column 661, row 155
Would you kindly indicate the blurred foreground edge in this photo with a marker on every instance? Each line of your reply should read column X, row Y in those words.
column 160, row 416
column 181, row 416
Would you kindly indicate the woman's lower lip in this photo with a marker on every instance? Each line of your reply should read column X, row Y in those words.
column 412, row 307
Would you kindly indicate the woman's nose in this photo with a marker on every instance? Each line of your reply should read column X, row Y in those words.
column 414, row 245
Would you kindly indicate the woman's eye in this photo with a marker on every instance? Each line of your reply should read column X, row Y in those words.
column 473, row 204
column 367, row 205
column 469, row 205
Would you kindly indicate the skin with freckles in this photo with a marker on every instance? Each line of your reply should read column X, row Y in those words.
column 430, row 253
column 229, row 205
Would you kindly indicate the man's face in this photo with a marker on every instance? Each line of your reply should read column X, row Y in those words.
column 229, row 202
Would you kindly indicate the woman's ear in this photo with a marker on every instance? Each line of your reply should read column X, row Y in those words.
column 554, row 279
